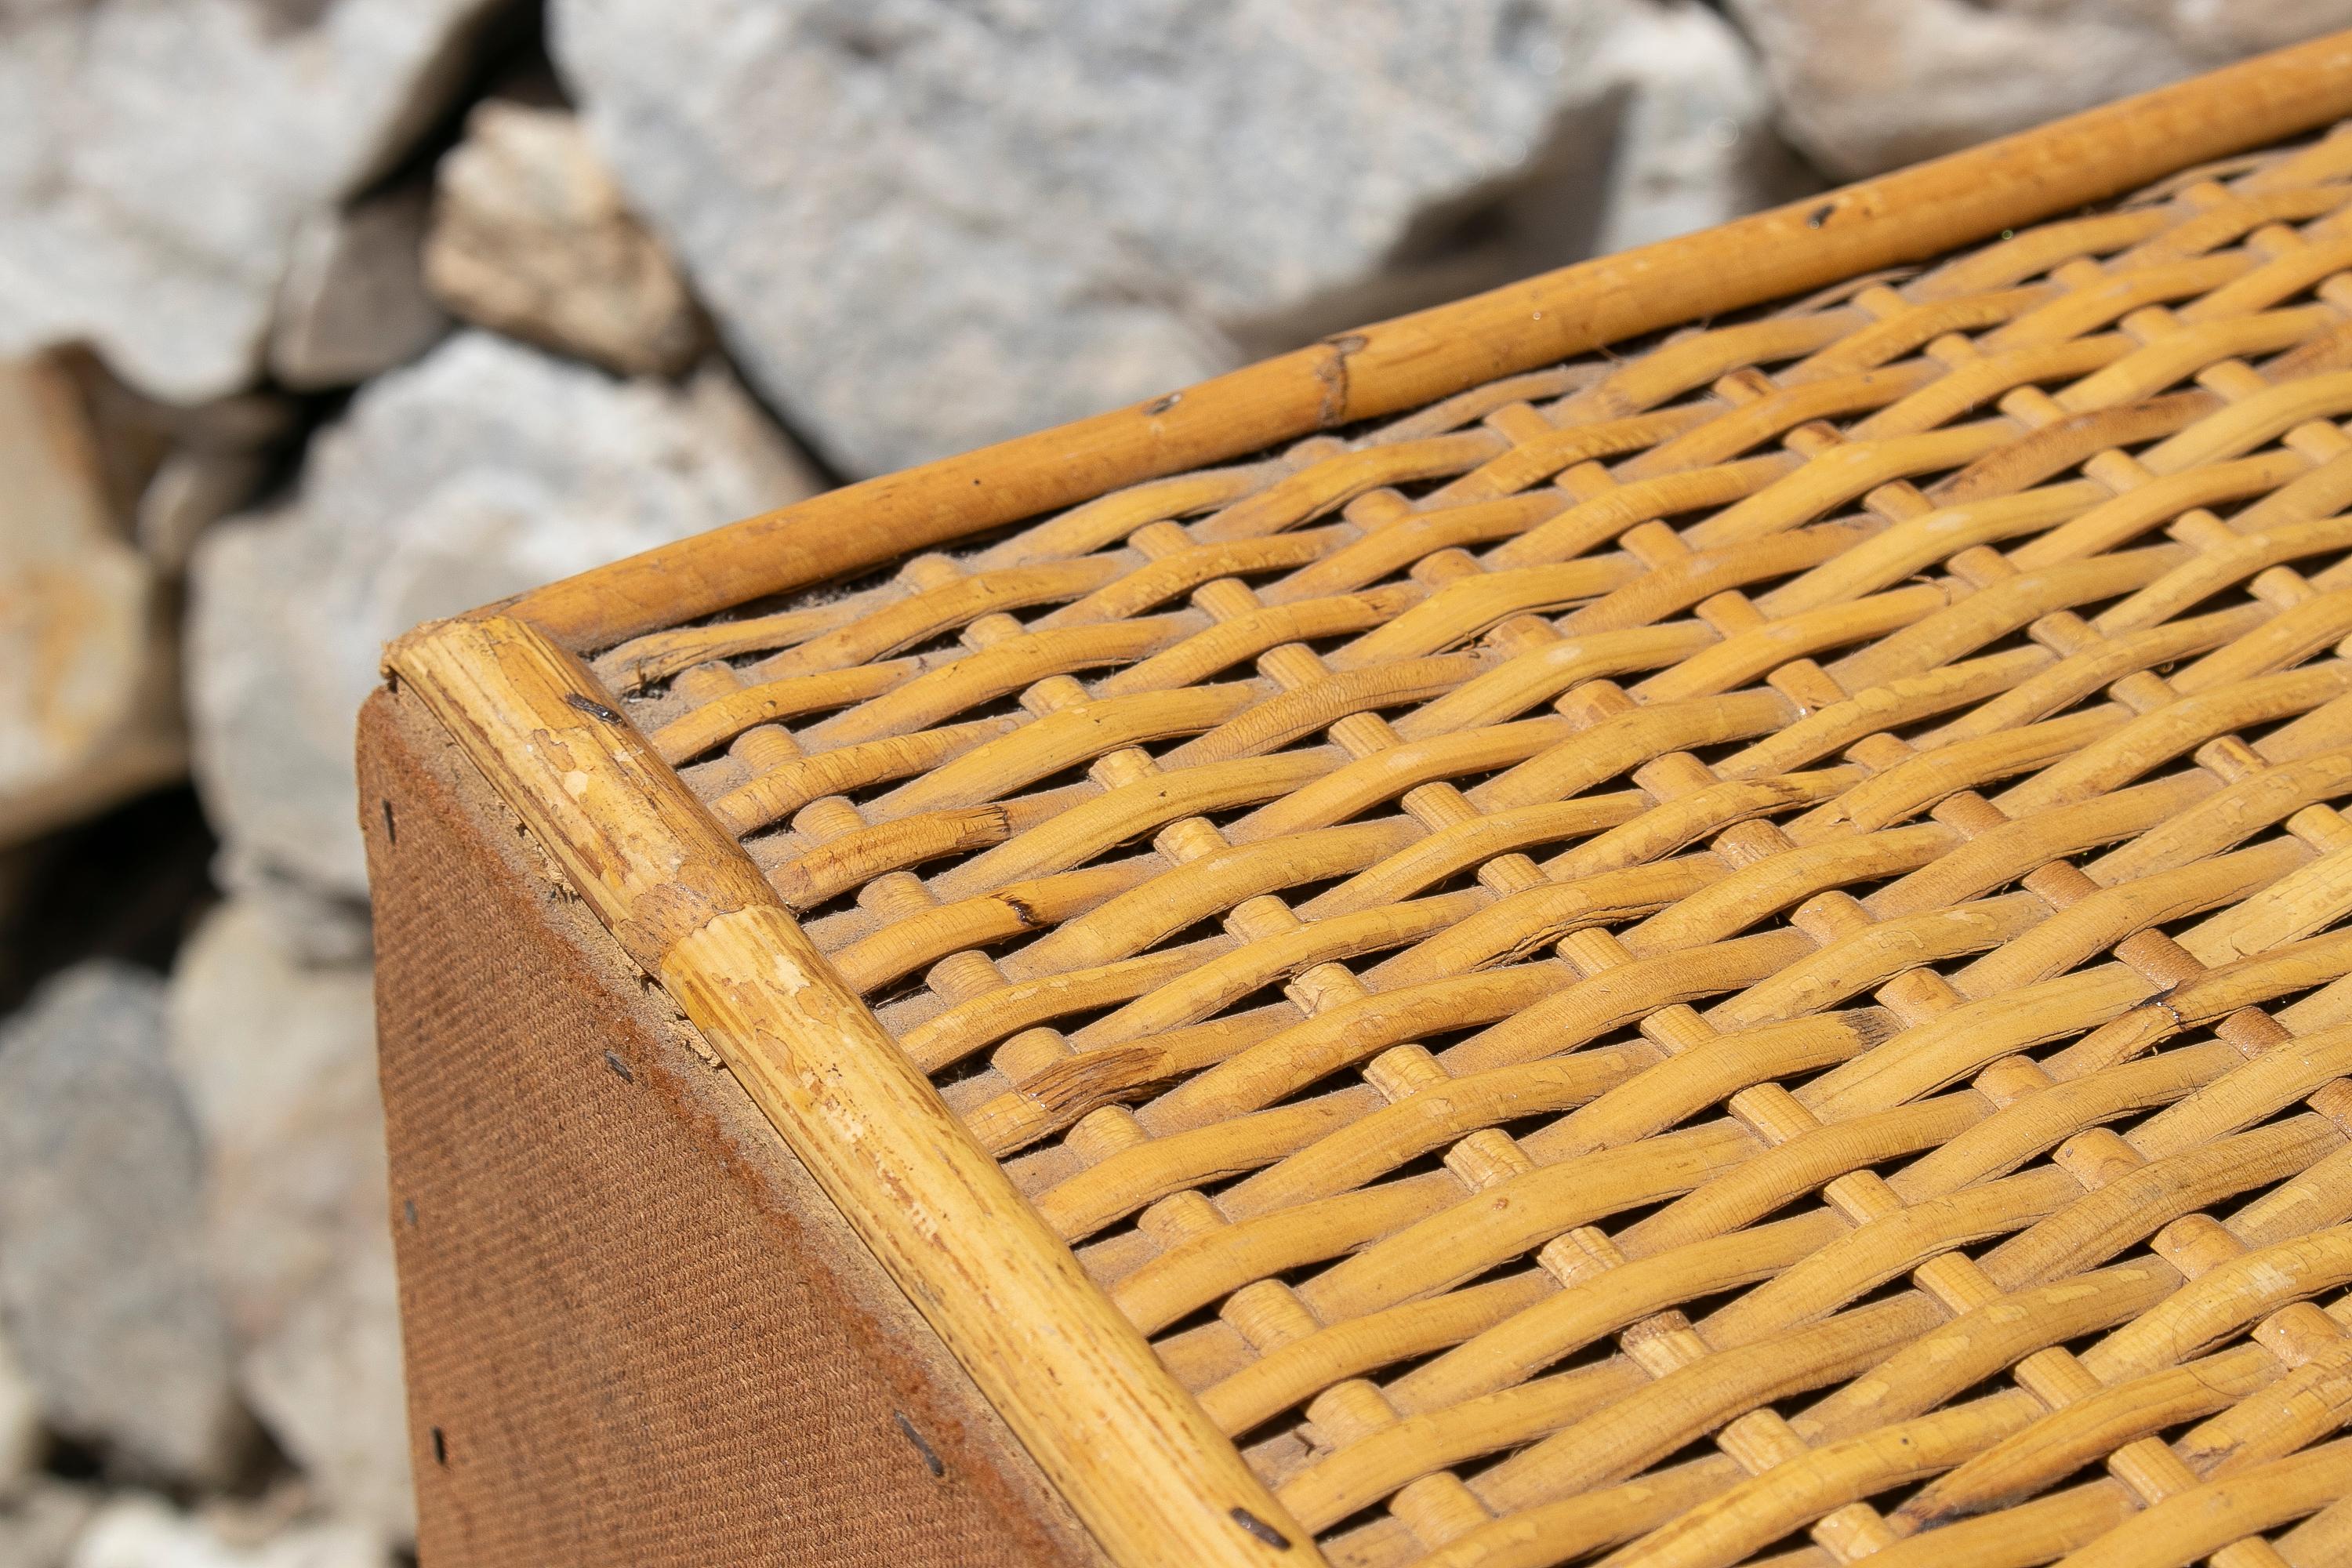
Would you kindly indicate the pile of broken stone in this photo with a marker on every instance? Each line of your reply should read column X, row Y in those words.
column 320, row 317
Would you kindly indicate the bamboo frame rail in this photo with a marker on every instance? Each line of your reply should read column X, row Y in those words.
column 1658, row 959
column 1074, row 1378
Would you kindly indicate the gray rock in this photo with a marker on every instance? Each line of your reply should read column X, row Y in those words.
column 89, row 706
column 22, row 1441
column 138, row 436
column 278, row 1061
column 483, row 468
column 140, row 1531
column 192, row 489
column 309, row 924
column 175, row 469
column 1867, row 85
column 156, row 157
column 40, row 1523
column 924, row 226
column 168, row 469
column 1696, row 144
column 530, row 238
column 103, row 1282
column 353, row 302
column 326, row 1383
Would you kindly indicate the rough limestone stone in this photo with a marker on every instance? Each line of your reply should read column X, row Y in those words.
column 156, row 157
column 279, row 1062
column 354, row 301
column 103, row 1285
column 39, row 1524
column 1867, row 85
column 532, row 237
column 483, row 469
column 89, row 712
column 924, row 224
column 135, row 1531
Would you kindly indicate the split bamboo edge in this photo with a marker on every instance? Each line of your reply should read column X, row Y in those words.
column 1130, row 1450
column 1901, row 218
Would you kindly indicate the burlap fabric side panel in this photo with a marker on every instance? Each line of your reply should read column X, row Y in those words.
column 636, row 1331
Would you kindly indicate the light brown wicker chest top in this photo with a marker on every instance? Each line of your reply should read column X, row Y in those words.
column 1723, row 951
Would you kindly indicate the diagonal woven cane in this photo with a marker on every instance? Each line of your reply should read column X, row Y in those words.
column 1639, row 920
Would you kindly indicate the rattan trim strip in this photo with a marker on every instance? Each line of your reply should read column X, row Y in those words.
column 1131, row 1451
column 1414, row 360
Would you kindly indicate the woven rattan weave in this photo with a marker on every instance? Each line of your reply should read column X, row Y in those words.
column 1775, row 889
column 1730, row 950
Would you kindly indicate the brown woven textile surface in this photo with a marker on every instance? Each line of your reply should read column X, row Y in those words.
column 635, row 1332
column 1723, row 951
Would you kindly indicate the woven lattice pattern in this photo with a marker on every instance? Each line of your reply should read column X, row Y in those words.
column 1723, row 952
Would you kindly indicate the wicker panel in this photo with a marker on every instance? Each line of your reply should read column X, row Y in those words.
column 1721, row 951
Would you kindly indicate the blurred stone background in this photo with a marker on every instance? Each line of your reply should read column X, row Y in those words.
column 321, row 317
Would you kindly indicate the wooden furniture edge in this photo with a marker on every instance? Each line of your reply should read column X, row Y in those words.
column 1126, row 1447
column 1900, row 217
